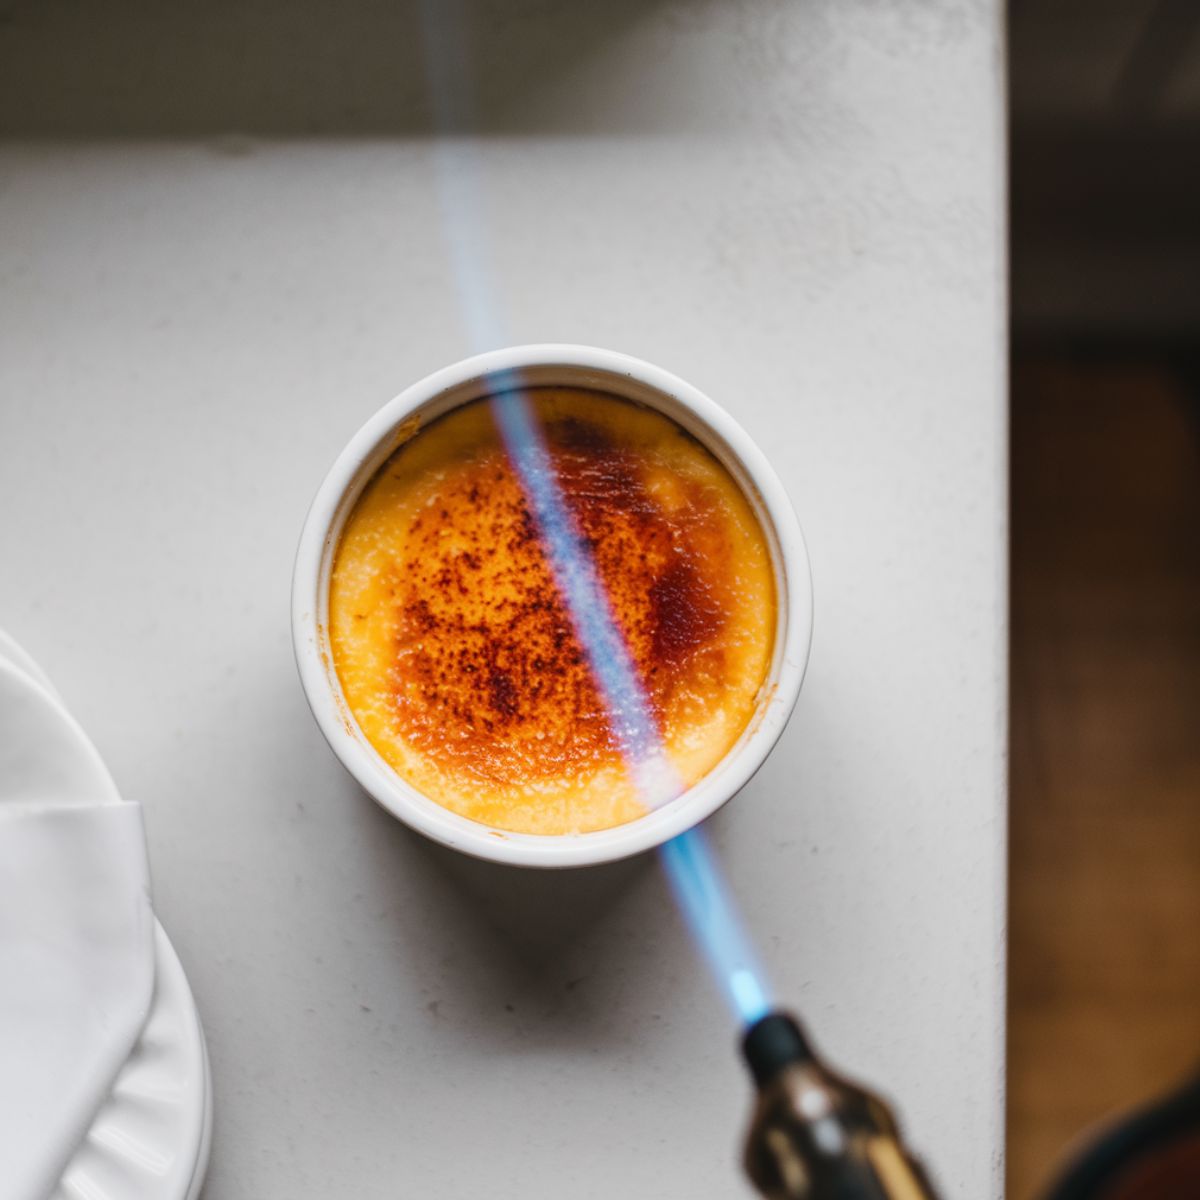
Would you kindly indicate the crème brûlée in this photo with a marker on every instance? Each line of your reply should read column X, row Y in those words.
column 457, row 656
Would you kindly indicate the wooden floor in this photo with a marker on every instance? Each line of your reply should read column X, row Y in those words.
column 1104, row 974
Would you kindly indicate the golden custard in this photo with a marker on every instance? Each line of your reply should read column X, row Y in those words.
column 456, row 654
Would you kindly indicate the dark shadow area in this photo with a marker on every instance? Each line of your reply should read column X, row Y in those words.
column 1105, row 169
column 516, row 941
column 134, row 68
column 1105, row 236
column 537, row 913
column 543, row 952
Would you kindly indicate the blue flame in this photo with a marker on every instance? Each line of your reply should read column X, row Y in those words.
column 584, row 596
column 688, row 860
column 704, row 899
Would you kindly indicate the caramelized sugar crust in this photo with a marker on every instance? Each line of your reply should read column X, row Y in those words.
column 454, row 649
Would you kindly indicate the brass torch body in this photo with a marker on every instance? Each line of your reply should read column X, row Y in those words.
column 817, row 1136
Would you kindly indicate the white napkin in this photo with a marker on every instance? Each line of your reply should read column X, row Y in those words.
column 76, row 934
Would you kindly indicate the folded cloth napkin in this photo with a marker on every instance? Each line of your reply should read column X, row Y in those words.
column 76, row 935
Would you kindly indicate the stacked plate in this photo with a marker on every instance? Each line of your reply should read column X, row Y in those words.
column 105, row 1088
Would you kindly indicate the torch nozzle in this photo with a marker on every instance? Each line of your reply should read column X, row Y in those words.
column 815, row 1135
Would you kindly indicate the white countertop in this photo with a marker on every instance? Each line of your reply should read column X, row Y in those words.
column 800, row 210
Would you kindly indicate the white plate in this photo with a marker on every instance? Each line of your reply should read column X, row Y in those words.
column 150, row 1138
column 20, row 658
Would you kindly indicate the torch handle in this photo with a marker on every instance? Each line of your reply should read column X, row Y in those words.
column 817, row 1136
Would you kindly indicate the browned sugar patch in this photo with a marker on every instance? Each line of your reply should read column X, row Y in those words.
column 488, row 671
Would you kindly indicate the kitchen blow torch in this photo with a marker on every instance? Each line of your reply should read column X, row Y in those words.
column 815, row 1135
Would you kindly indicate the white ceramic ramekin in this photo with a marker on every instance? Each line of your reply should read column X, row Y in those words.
column 468, row 380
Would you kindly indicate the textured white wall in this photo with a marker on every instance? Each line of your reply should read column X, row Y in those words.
column 797, row 207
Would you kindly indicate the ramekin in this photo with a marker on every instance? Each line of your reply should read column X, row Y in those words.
column 562, row 365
